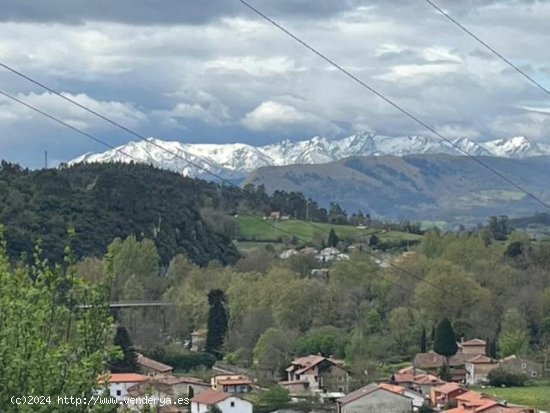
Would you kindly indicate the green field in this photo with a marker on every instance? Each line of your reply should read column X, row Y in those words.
column 535, row 395
column 254, row 229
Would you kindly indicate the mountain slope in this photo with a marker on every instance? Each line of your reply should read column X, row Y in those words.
column 423, row 187
column 102, row 202
column 236, row 160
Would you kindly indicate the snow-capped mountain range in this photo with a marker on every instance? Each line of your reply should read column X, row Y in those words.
column 236, row 160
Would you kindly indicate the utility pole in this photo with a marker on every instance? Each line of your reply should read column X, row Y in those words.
column 46, row 159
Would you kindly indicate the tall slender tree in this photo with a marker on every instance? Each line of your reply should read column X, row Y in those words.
column 423, row 341
column 217, row 323
column 128, row 363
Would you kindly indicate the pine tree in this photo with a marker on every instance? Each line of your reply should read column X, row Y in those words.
column 423, row 341
column 128, row 363
column 217, row 323
column 445, row 340
column 332, row 238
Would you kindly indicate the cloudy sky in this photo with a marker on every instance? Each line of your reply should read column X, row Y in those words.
column 212, row 71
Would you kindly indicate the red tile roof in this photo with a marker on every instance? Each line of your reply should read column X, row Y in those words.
column 448, row 388
column 210, row 397
column 476, row 342
column 124, row 378
column 153, row 364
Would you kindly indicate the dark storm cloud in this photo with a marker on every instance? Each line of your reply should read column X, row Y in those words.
column 146, row 12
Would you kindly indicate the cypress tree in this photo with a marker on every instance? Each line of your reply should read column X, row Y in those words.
column 445, row 340
column 333, row 239
column 423, row 341
column 128, row 363
column 217, row 323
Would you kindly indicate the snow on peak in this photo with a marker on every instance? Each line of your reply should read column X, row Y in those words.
column 236, row 160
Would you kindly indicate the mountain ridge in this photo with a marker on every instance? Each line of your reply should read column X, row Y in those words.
column 237, row 160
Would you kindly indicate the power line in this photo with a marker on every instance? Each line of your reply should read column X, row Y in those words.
column 487, row 46
column 392, row 103
column 102, row 142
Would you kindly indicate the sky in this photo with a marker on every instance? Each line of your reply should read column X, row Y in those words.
column 211, row 71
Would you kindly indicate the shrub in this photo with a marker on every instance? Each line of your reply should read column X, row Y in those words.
column 500, row 377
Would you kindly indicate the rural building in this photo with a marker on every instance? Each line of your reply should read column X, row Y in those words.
column 169, row 386
column 446, row 394
column 226, row 402
column 521, row 365
column 473, row 347
column 152, row 367
column 374, row 399
column 318, row 374
column 120, row 383
column 198, row 339
column 231, row 383
column 478, row 369
column 418, row 400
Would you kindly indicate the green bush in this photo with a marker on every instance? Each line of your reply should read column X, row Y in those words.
column 500, row 377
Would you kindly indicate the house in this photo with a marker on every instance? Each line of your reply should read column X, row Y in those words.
column 374, row 399
column 521, row 365
column 478, row 369
column 286, row 254
column 331, row 254
column 474, row 402
column 231, row 383
column 226, row 402
column 424, row 383
column 418, row 400
column 119, row 383
column 473, row 347
column 446, row 394
column 274, row 215
column 198, row 339
column 152, row 367
column 433, row 362
column 318, row 374
column 169, row 386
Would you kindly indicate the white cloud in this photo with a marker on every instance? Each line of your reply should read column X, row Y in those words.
column 272, row 114
column 124, row 113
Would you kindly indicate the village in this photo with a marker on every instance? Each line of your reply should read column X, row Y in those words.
column 324, row 384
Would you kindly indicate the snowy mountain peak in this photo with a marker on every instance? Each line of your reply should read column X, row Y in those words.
column 236, row 160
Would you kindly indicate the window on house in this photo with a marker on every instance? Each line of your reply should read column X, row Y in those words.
column 119, row 392
column 232, row 404
column 534, row 374
column 523, row 365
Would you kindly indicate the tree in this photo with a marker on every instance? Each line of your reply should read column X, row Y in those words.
column 445, row 340
column 274, row 349
column 333, row 239
column 47, row 345
column 217, row 323
column 423, row 341
column 514, row 337
column 127, row 361
column 275, row 398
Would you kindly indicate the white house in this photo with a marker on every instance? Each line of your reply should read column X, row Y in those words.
column 226, row 402
column 119, row 383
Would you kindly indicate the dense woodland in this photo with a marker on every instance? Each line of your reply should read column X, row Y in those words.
column 371, row 316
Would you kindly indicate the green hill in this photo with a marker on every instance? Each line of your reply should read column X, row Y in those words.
column 105, row 201
column 254, row 229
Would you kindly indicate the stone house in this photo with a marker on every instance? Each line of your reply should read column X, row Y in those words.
column 374, row 399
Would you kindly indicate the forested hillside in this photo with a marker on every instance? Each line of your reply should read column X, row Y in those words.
column 102, row 202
